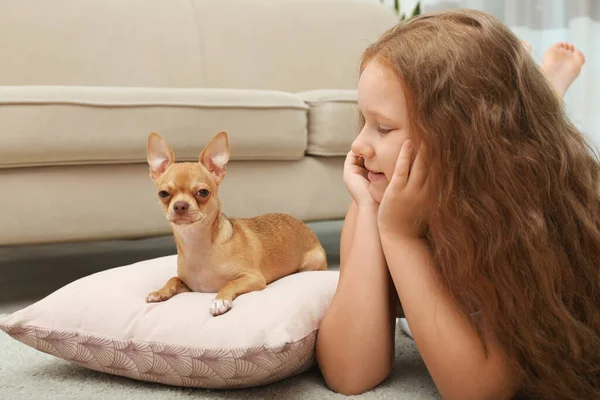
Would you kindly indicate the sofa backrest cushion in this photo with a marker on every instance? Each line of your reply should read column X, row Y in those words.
column 287, row 45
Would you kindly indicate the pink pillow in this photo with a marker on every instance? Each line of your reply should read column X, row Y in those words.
column 103, row 322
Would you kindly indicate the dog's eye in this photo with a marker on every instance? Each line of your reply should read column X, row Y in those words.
column 163, row 194
column 202, row 193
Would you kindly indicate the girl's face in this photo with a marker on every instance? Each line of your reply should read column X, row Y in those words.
column 383, row 106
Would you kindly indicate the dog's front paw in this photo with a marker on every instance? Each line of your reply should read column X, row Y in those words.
column 156, row 297
column 219, row 307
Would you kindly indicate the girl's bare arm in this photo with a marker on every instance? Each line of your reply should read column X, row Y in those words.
column 355, row 343
column 461, row 366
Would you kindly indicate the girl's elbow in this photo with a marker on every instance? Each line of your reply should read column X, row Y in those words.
column 355, row 381
column 349, row 372
column 494, row 390
column 461, row 395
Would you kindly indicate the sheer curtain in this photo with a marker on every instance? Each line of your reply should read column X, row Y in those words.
column 542, row 23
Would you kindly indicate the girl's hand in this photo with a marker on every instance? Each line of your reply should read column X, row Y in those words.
column 355, row 178
column 401, row 212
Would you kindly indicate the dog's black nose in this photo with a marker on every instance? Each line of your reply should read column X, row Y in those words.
column 181, row 207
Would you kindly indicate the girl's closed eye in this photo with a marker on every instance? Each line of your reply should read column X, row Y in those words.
column 383, row 130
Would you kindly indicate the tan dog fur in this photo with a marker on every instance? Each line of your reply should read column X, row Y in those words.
column 216, row 254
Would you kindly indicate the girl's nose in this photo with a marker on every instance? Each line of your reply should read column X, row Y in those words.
column 361, row 147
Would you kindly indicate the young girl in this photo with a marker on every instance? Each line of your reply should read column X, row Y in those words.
column 476, row 204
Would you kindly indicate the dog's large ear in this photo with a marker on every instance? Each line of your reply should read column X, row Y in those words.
column 159, row 156
column 216, row 155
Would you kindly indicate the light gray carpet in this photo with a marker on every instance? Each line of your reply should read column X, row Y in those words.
column 26, row 373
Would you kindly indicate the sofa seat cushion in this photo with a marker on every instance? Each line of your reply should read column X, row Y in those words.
column 333, row 121
column 70, row 125
column 110, row 202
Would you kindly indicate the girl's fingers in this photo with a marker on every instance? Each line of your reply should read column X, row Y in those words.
column 403, row 162
column 350, row 158
column 418, row 172
column 360, row 162
column 354, row 164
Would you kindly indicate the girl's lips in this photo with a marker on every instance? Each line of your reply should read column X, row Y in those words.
column 375, row 176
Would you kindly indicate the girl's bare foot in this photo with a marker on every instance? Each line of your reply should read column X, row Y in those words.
column 561, row 64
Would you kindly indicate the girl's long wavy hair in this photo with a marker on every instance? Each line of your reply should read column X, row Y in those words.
column 515, row 224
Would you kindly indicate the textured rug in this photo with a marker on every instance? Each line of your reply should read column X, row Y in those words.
column 26, row 373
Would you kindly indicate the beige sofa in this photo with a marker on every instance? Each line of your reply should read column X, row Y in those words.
column 82, row 83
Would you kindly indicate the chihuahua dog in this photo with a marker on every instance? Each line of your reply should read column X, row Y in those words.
column 216, row 254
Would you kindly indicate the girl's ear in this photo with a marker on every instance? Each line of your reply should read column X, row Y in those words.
column 216, row 155
column 159, row 156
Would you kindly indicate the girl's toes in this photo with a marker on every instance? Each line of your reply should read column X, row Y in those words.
column 580, row 57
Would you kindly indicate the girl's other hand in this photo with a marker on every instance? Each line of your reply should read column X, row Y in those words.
column 355, row 178
column 401, row 212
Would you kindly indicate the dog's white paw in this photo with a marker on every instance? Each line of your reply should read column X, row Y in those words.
column 155, row 297
column 219, row 307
